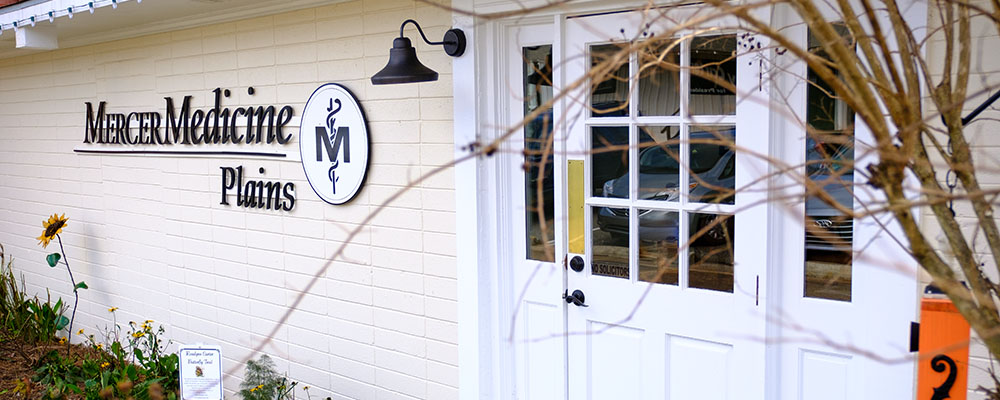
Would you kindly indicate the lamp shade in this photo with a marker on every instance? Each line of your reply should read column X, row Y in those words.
column 403, row 66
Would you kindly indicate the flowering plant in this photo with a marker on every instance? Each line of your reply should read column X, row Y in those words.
column 132, row 363
column 262, row 382
column 53, row 227
column 141, row 345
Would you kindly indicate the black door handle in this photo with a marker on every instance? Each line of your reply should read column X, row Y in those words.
column 577, row 298
column 576, row 263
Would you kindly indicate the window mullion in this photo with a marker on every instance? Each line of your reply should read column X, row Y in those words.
column 683, row 220
column 633, row 166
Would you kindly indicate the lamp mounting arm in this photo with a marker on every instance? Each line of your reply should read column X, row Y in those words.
column 418, row 30
column 975, row 113
column 454, row 39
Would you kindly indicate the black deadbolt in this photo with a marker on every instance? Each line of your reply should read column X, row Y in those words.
column 577, row 298
column 576, row 263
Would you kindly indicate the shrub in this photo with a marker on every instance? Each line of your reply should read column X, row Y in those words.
column 14, row 312
column 132, row 364
column 24, row 318
column 121, row 366
column 262, row 382
column 46, row 320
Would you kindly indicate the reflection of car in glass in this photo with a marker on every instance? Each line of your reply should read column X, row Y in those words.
column 610, row 154
column 830, row 165
column 713, row 165
column 610, row 145
column 830, row 229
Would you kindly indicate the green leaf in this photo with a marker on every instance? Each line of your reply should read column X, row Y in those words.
column 81, row 285
column 62, row 322
column 116, row 349
column 132, row 373
column 53, row 259
column 74, row 388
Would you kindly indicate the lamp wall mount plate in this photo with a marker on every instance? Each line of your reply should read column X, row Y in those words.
column 454, row 42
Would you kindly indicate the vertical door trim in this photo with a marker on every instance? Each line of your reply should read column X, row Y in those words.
column 486, row 357
column 477, row 357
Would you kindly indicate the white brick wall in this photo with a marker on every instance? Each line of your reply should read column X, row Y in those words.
column 148, row 235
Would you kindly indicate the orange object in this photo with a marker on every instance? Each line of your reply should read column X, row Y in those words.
column 943, row 367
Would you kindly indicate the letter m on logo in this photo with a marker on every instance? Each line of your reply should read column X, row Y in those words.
column 323, row 141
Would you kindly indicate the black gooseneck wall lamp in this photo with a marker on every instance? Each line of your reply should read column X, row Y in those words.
column 403, row 65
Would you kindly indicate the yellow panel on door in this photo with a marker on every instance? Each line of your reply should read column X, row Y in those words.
column 575, row 189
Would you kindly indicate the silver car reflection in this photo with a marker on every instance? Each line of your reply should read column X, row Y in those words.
column 714, row 169
column 830, row 164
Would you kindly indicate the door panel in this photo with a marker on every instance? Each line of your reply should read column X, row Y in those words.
column 615, row 356
column 543, row 350
column 848, row 290
column 536, row 328
column 673, row 252
column 824, row 375
column 698, row 369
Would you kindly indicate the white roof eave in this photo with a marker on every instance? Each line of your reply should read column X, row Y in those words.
column 83, row 22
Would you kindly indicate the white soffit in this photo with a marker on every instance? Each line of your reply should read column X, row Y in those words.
column 122, row 19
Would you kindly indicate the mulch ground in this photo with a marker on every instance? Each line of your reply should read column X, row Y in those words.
column 18, row 361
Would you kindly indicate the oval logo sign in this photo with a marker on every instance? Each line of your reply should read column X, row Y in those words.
column 333, row 144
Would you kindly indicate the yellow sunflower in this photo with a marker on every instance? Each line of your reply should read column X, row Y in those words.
column 53, row 227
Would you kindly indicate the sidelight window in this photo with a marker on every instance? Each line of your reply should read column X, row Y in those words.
column 830, row 170
column 539, row 199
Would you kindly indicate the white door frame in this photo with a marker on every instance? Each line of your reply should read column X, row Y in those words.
column 485, row 357
column 485, row 295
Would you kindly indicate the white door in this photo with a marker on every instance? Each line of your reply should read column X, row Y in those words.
column 644, row 189
column 536, row 324
column 673, row 256
column 841, row 326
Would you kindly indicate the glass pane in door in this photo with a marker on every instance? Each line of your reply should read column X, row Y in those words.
column 658, row 246
column 830, row 170
column 659, row 78
column 609, row 242
column 712, row 162
column 609, row 157
column 539, row 199
column 710, row 255
column 659, row 162
column 713, row 75
column 609, row 90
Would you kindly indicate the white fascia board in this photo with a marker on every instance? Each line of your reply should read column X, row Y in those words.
column 98, row 30
column 43, row 11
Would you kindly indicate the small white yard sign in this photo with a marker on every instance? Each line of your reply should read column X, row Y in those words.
column 201, row 372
